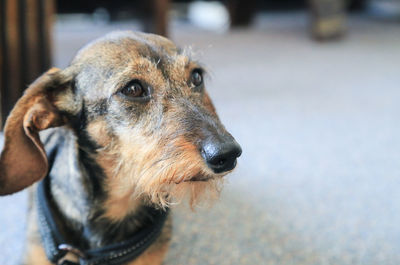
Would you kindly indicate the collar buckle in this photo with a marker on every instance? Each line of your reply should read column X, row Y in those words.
column 73, row 250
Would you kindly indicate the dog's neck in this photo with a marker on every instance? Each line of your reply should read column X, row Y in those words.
column 79, row 194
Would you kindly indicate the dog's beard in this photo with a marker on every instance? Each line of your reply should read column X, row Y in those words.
column 196, row 193
column 160, row 176
column 170, row 181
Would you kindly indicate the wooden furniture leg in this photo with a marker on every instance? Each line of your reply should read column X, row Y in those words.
column 25, row 47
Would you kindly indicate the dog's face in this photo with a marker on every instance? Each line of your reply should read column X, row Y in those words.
column 142, row 102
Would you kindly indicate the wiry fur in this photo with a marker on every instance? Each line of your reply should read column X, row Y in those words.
column 158, row 175
column 115, row 157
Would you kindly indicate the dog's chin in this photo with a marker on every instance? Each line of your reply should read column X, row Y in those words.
column 200, row 189
column 201, row 178
column 205, row 177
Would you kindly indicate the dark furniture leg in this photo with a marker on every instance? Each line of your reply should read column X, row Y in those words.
column 157, row 22
column 241, row 12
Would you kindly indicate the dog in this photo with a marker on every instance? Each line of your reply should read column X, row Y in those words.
column 108, row 144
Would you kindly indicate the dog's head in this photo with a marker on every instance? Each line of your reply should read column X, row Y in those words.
column 142, row 102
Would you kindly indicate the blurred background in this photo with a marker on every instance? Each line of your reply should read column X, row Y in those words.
column 311, row 91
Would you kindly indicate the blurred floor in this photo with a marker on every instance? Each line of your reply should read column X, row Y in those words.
column 319, row 178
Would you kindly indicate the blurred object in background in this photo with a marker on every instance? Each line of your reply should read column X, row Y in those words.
column 152, row 13
column 384, row 9
column 242, row 12
column 328, row 18
column 209, row 15
column 25, row 46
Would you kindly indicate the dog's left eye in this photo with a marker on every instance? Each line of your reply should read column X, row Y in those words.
column 197, row 77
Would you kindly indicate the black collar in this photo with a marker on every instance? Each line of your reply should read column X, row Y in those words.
column 56, row 246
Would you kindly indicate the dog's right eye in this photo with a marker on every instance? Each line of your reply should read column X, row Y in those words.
column 135, row 90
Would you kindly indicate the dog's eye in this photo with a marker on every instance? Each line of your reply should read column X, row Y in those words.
column 197, row 77
column 133, row 89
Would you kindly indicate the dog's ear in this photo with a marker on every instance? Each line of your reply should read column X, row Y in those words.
column 23, row 160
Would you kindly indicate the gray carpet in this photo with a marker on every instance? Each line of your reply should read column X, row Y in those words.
column 319, row 178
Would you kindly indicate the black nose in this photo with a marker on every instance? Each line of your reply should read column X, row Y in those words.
column 221, row 155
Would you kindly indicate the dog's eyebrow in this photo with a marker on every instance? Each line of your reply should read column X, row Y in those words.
column 195, row 64
column 201, row 66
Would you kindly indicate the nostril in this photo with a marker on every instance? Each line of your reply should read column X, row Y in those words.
column 221, row 162
column 217, row 161
column 221, row 157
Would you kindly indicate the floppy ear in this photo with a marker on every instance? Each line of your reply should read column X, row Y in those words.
column 23, row 160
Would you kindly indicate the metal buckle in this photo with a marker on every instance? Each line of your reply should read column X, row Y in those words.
column 71, row 249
